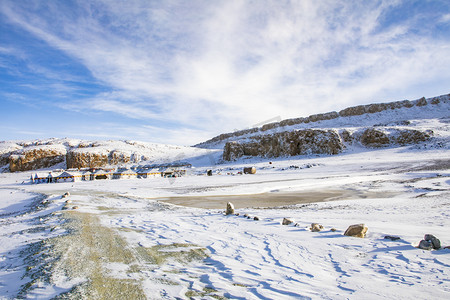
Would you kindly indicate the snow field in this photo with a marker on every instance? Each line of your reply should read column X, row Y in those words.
column 401, row 192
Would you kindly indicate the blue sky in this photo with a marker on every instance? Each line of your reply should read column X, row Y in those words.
column 181, row 72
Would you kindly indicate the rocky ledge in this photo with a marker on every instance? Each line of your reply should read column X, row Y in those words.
column 317, row 141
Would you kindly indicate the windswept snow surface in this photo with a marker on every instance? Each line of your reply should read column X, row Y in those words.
column 402, row 192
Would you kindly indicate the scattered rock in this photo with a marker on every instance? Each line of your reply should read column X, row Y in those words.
column 357, row 230
column 237, row 214
column 333, row 229
column 435, row 242
column 246, row 216
column 249, row 170
column 230, row 209
column 392, row 238
column 68, row 201
column 315, row 227
column 446, row 247
column 75, row 207
column 287, row 221
column 209, row 172
column 425, row 245
column 256, row 218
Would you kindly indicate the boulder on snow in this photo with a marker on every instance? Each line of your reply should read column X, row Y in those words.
column 315, row 227
column 435, row 242
column 230, row 209
column 357, row 230
column 391, row 237
column 256, row 218
column 425, row 245
column 249, row 170
column 287, row 221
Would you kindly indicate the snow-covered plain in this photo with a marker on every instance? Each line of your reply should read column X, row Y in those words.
column 400, row 192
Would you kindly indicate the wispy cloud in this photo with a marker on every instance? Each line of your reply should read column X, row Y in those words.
column 229, row 64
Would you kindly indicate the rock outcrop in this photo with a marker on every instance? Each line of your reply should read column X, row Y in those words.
column 290, row 143
column 37, row 154
column 318, row 141
column 36, row 157
column 80, row 158
column 347, row 112
column 376, row 138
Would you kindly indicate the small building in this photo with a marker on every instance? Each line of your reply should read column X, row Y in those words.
column 167, row 172
column 68, row 177
column 149, row 173
column 124, row 174
column 102, row 174
column 87, row 176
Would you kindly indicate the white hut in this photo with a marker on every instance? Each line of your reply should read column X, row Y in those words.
column 124, row 174
column 149, row 173
column 68, row 177
column 102, row 174
column 86, row 176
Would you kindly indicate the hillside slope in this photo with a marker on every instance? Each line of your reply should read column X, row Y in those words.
column 366, row 126
column 70, row 153
column 392, row 113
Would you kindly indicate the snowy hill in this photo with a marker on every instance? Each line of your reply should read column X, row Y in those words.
column 422, row 114
column 360, row 127
column 72, row 153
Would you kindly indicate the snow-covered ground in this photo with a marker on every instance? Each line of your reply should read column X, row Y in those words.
column 202, row 253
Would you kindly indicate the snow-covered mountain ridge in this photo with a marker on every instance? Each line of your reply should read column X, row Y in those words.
column 360, row 127
column 368, row 126
column 399, row 114
column 73, row 153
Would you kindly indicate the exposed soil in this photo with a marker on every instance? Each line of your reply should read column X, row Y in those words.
column 274, row 199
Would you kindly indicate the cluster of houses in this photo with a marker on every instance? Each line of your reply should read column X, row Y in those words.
column 74, row 175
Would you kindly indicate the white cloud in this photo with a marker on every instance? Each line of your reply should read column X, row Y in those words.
column 230, row 64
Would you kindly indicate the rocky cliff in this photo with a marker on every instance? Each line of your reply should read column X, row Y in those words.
column 36, row 157
column 314, row 141
column 399, row 109
column 32, row 155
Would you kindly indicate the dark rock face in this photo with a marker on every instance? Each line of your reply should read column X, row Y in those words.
column 290, row 143
column 409, row 136
column 232, row 151
column 374, row 138
column 36, row 158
